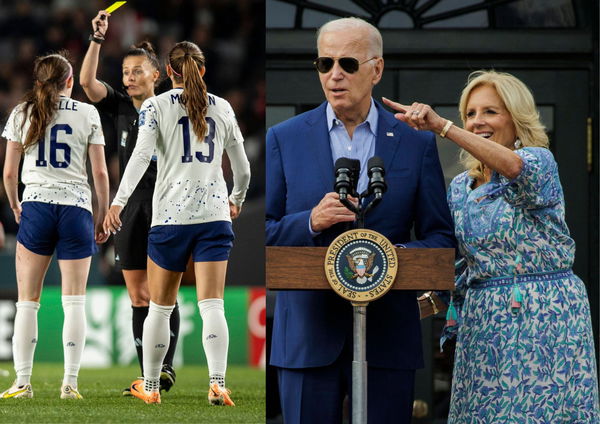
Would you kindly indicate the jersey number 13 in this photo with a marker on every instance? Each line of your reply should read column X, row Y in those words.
column 187, row 150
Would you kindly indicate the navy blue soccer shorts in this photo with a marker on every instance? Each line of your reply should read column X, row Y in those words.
column 45, row 227
column 170, row 246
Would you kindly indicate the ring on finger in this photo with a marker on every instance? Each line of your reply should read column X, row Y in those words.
column 415, row 112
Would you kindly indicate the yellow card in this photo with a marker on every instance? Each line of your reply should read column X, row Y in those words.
column 115, row 6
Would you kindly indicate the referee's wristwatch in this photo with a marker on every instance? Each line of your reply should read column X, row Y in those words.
column 95, row 39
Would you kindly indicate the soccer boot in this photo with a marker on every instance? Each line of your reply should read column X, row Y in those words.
column 15, row 392
column 219, row 395
column 67, row 391
column 127, row 390
column 167, row 377
column 137, row 390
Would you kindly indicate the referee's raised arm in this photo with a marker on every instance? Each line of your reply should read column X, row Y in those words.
column 93, row 88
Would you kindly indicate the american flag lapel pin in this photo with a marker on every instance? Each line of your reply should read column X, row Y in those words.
column 389, row 134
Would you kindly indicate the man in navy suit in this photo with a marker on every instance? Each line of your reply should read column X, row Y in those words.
column 312, row 332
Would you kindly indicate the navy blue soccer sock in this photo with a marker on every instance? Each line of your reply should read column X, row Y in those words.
column 174, row 327
column 139, row 316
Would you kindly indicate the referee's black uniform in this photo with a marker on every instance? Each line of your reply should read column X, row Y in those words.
column 131, row 243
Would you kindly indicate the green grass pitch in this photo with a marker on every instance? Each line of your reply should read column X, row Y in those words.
column 186, row 402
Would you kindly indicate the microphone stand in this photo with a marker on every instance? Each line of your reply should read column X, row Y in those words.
column 359, row 330
column 359, row 211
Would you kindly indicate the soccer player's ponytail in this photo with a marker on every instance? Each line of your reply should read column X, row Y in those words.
column 50, row 75
column 186, row 60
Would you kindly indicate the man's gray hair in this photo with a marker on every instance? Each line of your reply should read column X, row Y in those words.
column 375, row 40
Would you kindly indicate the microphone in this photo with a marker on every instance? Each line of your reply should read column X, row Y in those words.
column 376, row 172
column 346, row 177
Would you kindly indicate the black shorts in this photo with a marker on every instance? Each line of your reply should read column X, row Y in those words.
column 131, row 243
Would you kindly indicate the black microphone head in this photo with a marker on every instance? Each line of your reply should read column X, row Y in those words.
column 346, row 175
column 375, row 162
column 376, row 172
column 352, row 164
column 355, row 166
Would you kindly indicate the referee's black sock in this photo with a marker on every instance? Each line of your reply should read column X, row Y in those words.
column 139, row 316
column 174, row 327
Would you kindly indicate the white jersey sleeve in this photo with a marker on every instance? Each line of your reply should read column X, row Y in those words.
column 96, row 136
column 12, row 130
column 237, row 156
column 233, row 135
column 241, row 173
column 142, row 153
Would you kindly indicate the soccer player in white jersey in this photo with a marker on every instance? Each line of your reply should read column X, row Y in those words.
column 140, row 71
column 56, row 135
column 188, row 129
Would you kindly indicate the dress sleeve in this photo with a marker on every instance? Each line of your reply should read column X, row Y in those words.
column 537, row 186
column 142, row 153
column 455, row 191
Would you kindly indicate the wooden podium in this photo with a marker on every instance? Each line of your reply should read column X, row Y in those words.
column 303, row 268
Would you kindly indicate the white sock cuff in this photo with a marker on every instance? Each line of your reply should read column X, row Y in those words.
column 73, row 300
column 161, row 310
column 210, row 304
column 28, row 304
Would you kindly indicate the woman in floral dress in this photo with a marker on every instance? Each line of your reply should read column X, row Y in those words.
column 525, row 348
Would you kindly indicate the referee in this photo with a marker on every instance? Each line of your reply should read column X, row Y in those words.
column 141, row 70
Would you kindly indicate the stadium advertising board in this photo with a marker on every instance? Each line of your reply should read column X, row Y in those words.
column 109, row 336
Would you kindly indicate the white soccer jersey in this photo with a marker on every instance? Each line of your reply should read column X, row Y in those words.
column 54, row 170
column 190, row 188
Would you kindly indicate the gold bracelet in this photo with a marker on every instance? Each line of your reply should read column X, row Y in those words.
column 446, row 128
column 427, row 296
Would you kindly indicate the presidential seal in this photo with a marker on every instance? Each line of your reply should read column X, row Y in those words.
column 361, row 265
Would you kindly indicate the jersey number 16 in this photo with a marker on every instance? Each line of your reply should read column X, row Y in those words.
column 54, row 146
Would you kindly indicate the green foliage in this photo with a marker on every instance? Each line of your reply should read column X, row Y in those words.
column 103, row 403
column 348, row 273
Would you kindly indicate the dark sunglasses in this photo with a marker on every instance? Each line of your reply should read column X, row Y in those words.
column 348, row 64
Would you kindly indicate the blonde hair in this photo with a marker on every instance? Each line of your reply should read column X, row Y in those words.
column 519, row 103
column 374, row 37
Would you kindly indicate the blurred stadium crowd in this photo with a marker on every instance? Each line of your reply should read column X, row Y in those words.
column 230, row 33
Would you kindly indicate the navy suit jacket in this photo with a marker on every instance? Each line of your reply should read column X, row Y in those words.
column 311, row 327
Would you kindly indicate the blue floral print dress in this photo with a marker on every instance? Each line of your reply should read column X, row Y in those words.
column 525, row 348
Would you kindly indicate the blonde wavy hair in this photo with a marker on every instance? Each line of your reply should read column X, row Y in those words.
column 518, row 100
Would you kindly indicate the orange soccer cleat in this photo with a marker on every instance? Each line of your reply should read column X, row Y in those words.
column 219, row 395
column 137, row 390
column 127, row 390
